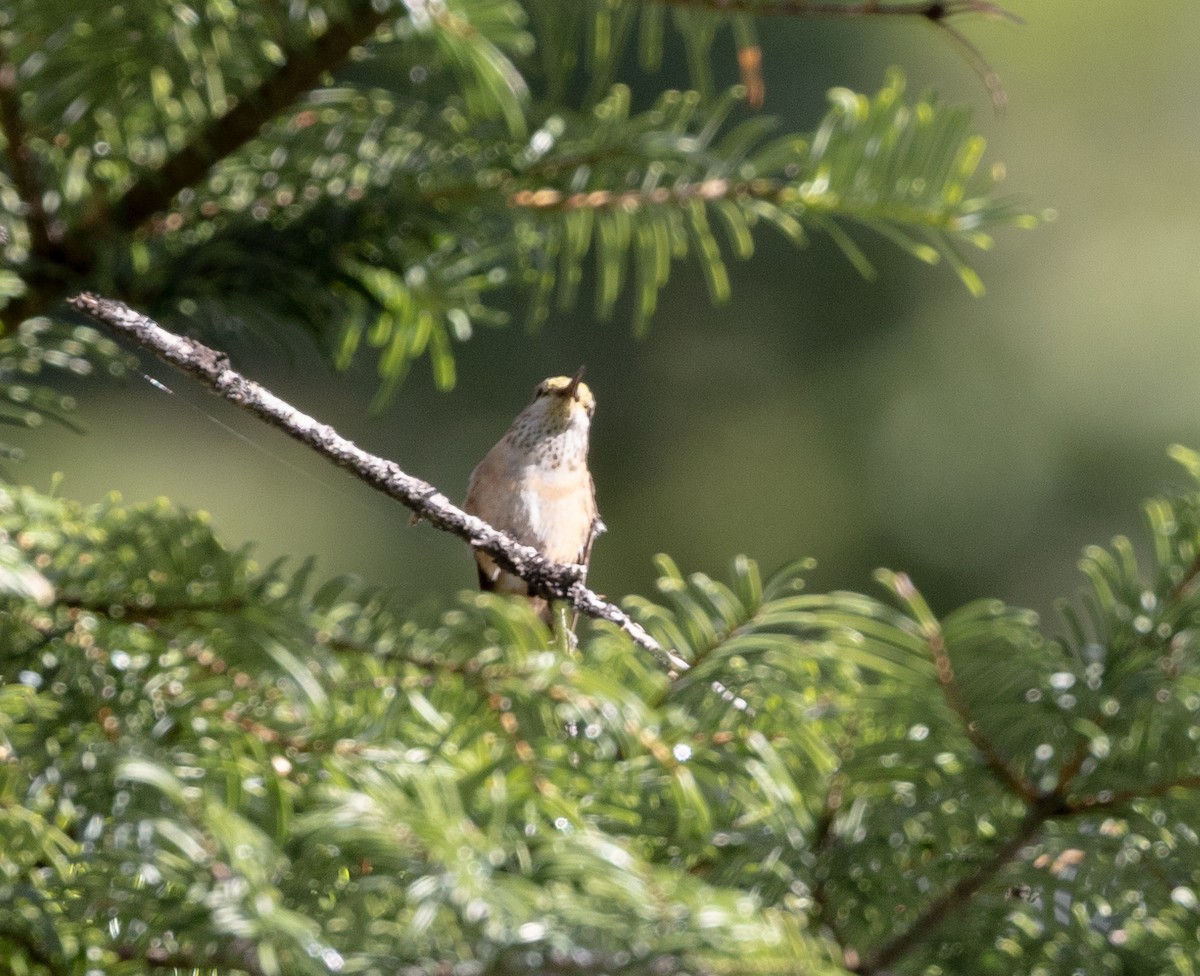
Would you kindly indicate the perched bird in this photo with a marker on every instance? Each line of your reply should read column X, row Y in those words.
column 535, row 486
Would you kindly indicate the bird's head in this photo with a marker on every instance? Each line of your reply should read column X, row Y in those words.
column 557, row 423
column 565, row 396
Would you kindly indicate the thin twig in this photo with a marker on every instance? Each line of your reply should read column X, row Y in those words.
column 825, row 9
column 550, row 580
column 954, row 698
column 978, row 63
column 824, row 839
column 1105, row 799
column 1070, row 769
column 939, row 13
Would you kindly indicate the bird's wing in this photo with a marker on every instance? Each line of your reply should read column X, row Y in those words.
column 596, row 529
column 489, row 505
column 475, row 504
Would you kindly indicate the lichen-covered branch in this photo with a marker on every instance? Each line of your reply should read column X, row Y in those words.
column 550, row 580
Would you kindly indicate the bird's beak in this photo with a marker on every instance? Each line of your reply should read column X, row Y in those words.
column 571, row 388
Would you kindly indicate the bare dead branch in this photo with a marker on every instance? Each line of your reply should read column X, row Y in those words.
column 546, row 579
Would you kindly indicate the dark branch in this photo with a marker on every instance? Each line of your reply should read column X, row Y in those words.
column 1105, row 799
column 1047, row 807
column 143, row 614
column 1070, row 769
column 823, row 841
column 546, row 579
column 956, row 897
column 36, row 950
column 1186, row 584
column 20, row 162
column 300, row 71
column 939, row 13
column 929, row 9
column 238, row 954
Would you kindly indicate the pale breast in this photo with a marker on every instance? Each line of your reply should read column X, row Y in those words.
column 552, row 512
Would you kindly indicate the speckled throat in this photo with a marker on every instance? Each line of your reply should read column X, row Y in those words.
column 554, row 439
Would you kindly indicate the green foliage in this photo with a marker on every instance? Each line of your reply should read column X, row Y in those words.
column 212, row 768
column 398, row 200
column 209, row 765
column 683, row 169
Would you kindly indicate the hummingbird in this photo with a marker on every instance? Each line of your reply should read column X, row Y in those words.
column 535, row 485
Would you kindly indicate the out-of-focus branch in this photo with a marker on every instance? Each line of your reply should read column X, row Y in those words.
column 939, row 13
column 1048, row 807
column 1106, row 799
column 881, row 959
column 238, row 954
column 931, row 633
column 300, row 70
column 935, row 10
column 20, row 162
column 550, row 580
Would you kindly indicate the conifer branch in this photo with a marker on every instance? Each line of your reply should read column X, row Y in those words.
column 627, row 200
column 546, row 579
column 300, row 70
column 999, row 766
column 1049, row 806
column 880, row 960
column 20, row 163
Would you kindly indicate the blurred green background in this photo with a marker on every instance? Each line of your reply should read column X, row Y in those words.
column 976, row 443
